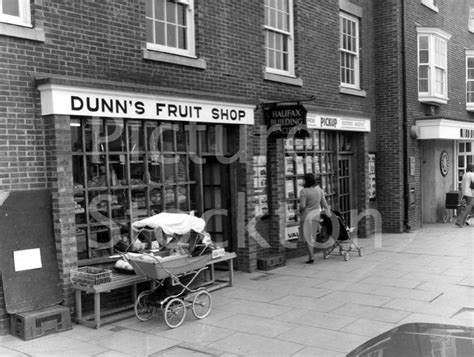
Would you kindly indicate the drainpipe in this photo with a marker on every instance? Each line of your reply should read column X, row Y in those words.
column 406, row 186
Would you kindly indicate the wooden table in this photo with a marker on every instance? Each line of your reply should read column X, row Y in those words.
column 122, row 280
column 118, row 281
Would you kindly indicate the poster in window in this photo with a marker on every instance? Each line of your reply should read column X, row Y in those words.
column 290, row 212
column 289, row 144
column 316, row 165
column 292, row 233
column 299, row 144
column 260, row 184
column 290, row 189
column 299, row 165
column 371, row 177
column 289, row 167
column 309, row 164
column 299, row 186
column 316, row 139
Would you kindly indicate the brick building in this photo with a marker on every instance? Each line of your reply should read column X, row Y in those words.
column 118, row 121
column 424, row 107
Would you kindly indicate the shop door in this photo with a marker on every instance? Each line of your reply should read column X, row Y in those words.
column 217, row 208
column 344, row 177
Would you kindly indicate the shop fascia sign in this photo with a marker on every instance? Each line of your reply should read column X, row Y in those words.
column 334, row 122
column 64, row 100
column 284, row 118
column 426, row 129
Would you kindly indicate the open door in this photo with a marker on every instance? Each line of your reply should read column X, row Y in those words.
column 217, row 206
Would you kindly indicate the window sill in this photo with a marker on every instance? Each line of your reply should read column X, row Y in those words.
column 352, row 91
column 283, row 79
column 432, row 100
column 470, row 107
column 429, row 5
column 174, row 59
column 22, row 32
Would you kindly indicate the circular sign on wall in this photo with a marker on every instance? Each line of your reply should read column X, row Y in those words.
column 444, row 163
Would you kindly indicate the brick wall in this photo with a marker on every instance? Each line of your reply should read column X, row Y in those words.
column 102, row 43
column 389, row 112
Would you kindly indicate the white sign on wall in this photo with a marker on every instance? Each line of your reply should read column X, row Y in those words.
column 27, row 259
column 332, row 122
column 65, row 100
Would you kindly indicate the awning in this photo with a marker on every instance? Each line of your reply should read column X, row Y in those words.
column 439, row 128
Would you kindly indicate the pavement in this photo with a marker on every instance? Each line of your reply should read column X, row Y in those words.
column 324, row 309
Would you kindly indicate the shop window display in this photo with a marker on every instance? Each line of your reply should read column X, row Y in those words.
column 314, row 154
column 123, row 171
column 326, row 154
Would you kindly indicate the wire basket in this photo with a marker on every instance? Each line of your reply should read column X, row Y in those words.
column 91, row 276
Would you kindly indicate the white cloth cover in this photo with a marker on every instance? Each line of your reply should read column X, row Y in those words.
column 172, row 223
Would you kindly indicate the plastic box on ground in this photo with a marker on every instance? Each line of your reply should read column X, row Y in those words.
column 36, row 323
column 270, row 262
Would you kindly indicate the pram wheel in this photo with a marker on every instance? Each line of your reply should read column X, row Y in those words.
column 144, row 308
column 202, row 304
column 347, row 256
column 361, row 252
column 175, row 312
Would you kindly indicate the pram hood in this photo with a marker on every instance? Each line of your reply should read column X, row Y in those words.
column 171, row 223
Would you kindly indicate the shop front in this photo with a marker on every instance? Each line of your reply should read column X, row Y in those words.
column 335, row 149
column 122, row 156
column 446, row 149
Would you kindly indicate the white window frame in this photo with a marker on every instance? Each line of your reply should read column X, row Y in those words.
column 24, row 17
column 471, row 19
column 190, row 33
column 432, row 4
column 437, row 63
column 355, row 53
column 469, row 80
column 289, row 35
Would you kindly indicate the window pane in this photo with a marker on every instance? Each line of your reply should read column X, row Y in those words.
column 423, row 83
column 182, row 37
column 170, row 12
column 423, row 43
column 181, row 20
column 149, row 8
column 160, row 33
column 171, row 35
column 149, row 31
column 424, row 56
column 160, row 10
column 11, row 7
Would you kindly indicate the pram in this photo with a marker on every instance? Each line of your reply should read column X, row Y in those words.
column 173, row 273
column 333, row 226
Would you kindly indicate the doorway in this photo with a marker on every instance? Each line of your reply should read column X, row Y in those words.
column 216, row 201
column 345, row 190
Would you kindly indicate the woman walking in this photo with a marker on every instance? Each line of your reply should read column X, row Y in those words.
column 467, row 195
column 311, row 201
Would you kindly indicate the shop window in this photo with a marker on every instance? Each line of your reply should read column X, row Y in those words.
column 470, row 80
column 465, row 157
column 349, row 51
column 279, row 37
column 316, row 154
column 170, row 26
column 15, row 12
column 432, row 66
column 123, row 171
